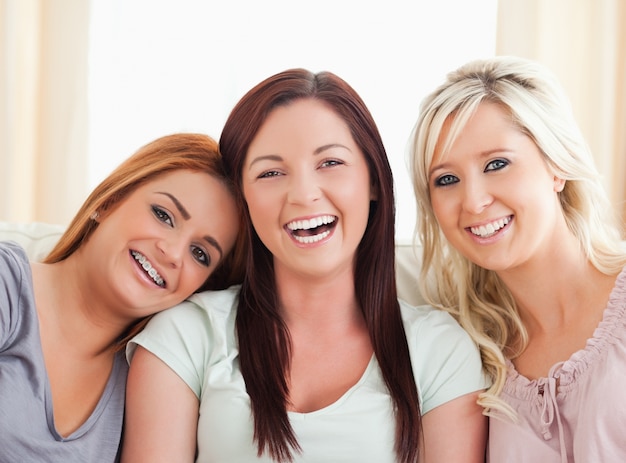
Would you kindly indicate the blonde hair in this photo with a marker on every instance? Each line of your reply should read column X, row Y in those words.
column 181, row 151
column 538, row 106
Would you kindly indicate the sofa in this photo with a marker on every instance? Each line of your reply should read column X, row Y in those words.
column 38, row 238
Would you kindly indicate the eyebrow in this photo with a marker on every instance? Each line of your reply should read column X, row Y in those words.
column 268, row 157
column 441, row 166
column 276, row 157
column 186, row 215
column 213, row 242
column 330, row 146
column 178, row 205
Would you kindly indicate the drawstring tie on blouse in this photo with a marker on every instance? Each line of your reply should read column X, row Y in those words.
column 550, row 408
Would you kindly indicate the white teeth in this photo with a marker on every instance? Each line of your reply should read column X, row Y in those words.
column 485, row 231
column 311, row 223
column 311, row 239
column 147, row 266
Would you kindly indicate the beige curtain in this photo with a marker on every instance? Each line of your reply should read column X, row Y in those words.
column 43, row 91
column 43, row 109
column 584, row 43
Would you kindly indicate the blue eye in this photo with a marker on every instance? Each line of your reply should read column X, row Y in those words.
column 496, row 164
column 446, row 180
column 161, row 215
column 200, row 255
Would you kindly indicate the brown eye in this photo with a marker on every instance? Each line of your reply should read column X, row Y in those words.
column 200, row 255
column 331, row 163
column 269, row 173
column 161, row 215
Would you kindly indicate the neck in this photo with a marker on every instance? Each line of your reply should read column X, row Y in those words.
column 321, row 301
column 69, row 311
column 555, row 290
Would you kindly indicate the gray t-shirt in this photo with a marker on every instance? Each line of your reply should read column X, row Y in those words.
column 27, row 431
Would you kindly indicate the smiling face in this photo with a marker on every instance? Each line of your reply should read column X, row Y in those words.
column 307, row 187
column 161, row 243
column 493, row 194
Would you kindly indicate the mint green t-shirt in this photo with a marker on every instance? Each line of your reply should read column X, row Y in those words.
column 197, row 340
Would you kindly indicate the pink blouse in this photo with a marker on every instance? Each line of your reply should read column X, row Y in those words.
column 584, row 419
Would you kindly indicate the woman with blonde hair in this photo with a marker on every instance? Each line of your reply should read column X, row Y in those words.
column 521, row 245
column 161, row 226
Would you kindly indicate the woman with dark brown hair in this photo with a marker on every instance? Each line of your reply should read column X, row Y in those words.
column 313, row 358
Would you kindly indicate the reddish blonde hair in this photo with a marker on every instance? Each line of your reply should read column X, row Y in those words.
column 181, row 151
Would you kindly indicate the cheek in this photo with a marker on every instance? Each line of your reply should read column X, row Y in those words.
column 257, row 197
column 441, row 207
column 258, row 208
column 194, row 277
column 355, row 188
column 446, row 215
column 264, row 210
column 355, row 198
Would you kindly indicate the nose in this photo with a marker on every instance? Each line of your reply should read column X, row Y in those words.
column 172, row 250
column 303, row 189
column 476, row 196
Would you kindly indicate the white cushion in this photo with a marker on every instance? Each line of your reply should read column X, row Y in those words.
column 38, row 239
column 408, row 262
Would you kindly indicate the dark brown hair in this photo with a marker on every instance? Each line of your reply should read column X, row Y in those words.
column 264, row 364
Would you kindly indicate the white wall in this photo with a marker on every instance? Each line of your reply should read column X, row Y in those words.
column 163, row 66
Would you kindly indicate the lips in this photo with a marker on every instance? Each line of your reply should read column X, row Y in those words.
column 147, row 267
column 308, row 231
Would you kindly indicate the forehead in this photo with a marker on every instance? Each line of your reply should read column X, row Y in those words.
column 303, row 120
column 171, row 178
column 181, row 181
column 472, row 125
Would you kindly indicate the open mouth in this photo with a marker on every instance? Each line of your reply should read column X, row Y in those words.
column 490, row 229
column 148, row 268
column 312, row 230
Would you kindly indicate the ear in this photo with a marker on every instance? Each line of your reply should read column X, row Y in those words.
column 559, row 184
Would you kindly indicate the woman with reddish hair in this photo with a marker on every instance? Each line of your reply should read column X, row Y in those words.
column 162, row 225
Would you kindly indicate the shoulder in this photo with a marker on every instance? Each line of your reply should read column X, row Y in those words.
column 15, row 288
column 428, row 321
column 434, row 333
column 446, row 362
column 194, row 318
column 200, row 308
column 14, row 267
column 11, row 252
column 188, row 337
column 219, row 303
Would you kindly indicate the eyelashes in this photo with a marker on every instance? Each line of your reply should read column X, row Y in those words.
column 492, row 166
column 496, row 164
column 200, row 255
column 325, row 164
column 162, row 215
column 445, row 180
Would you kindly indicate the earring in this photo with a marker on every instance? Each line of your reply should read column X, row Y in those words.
column 94, row 216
